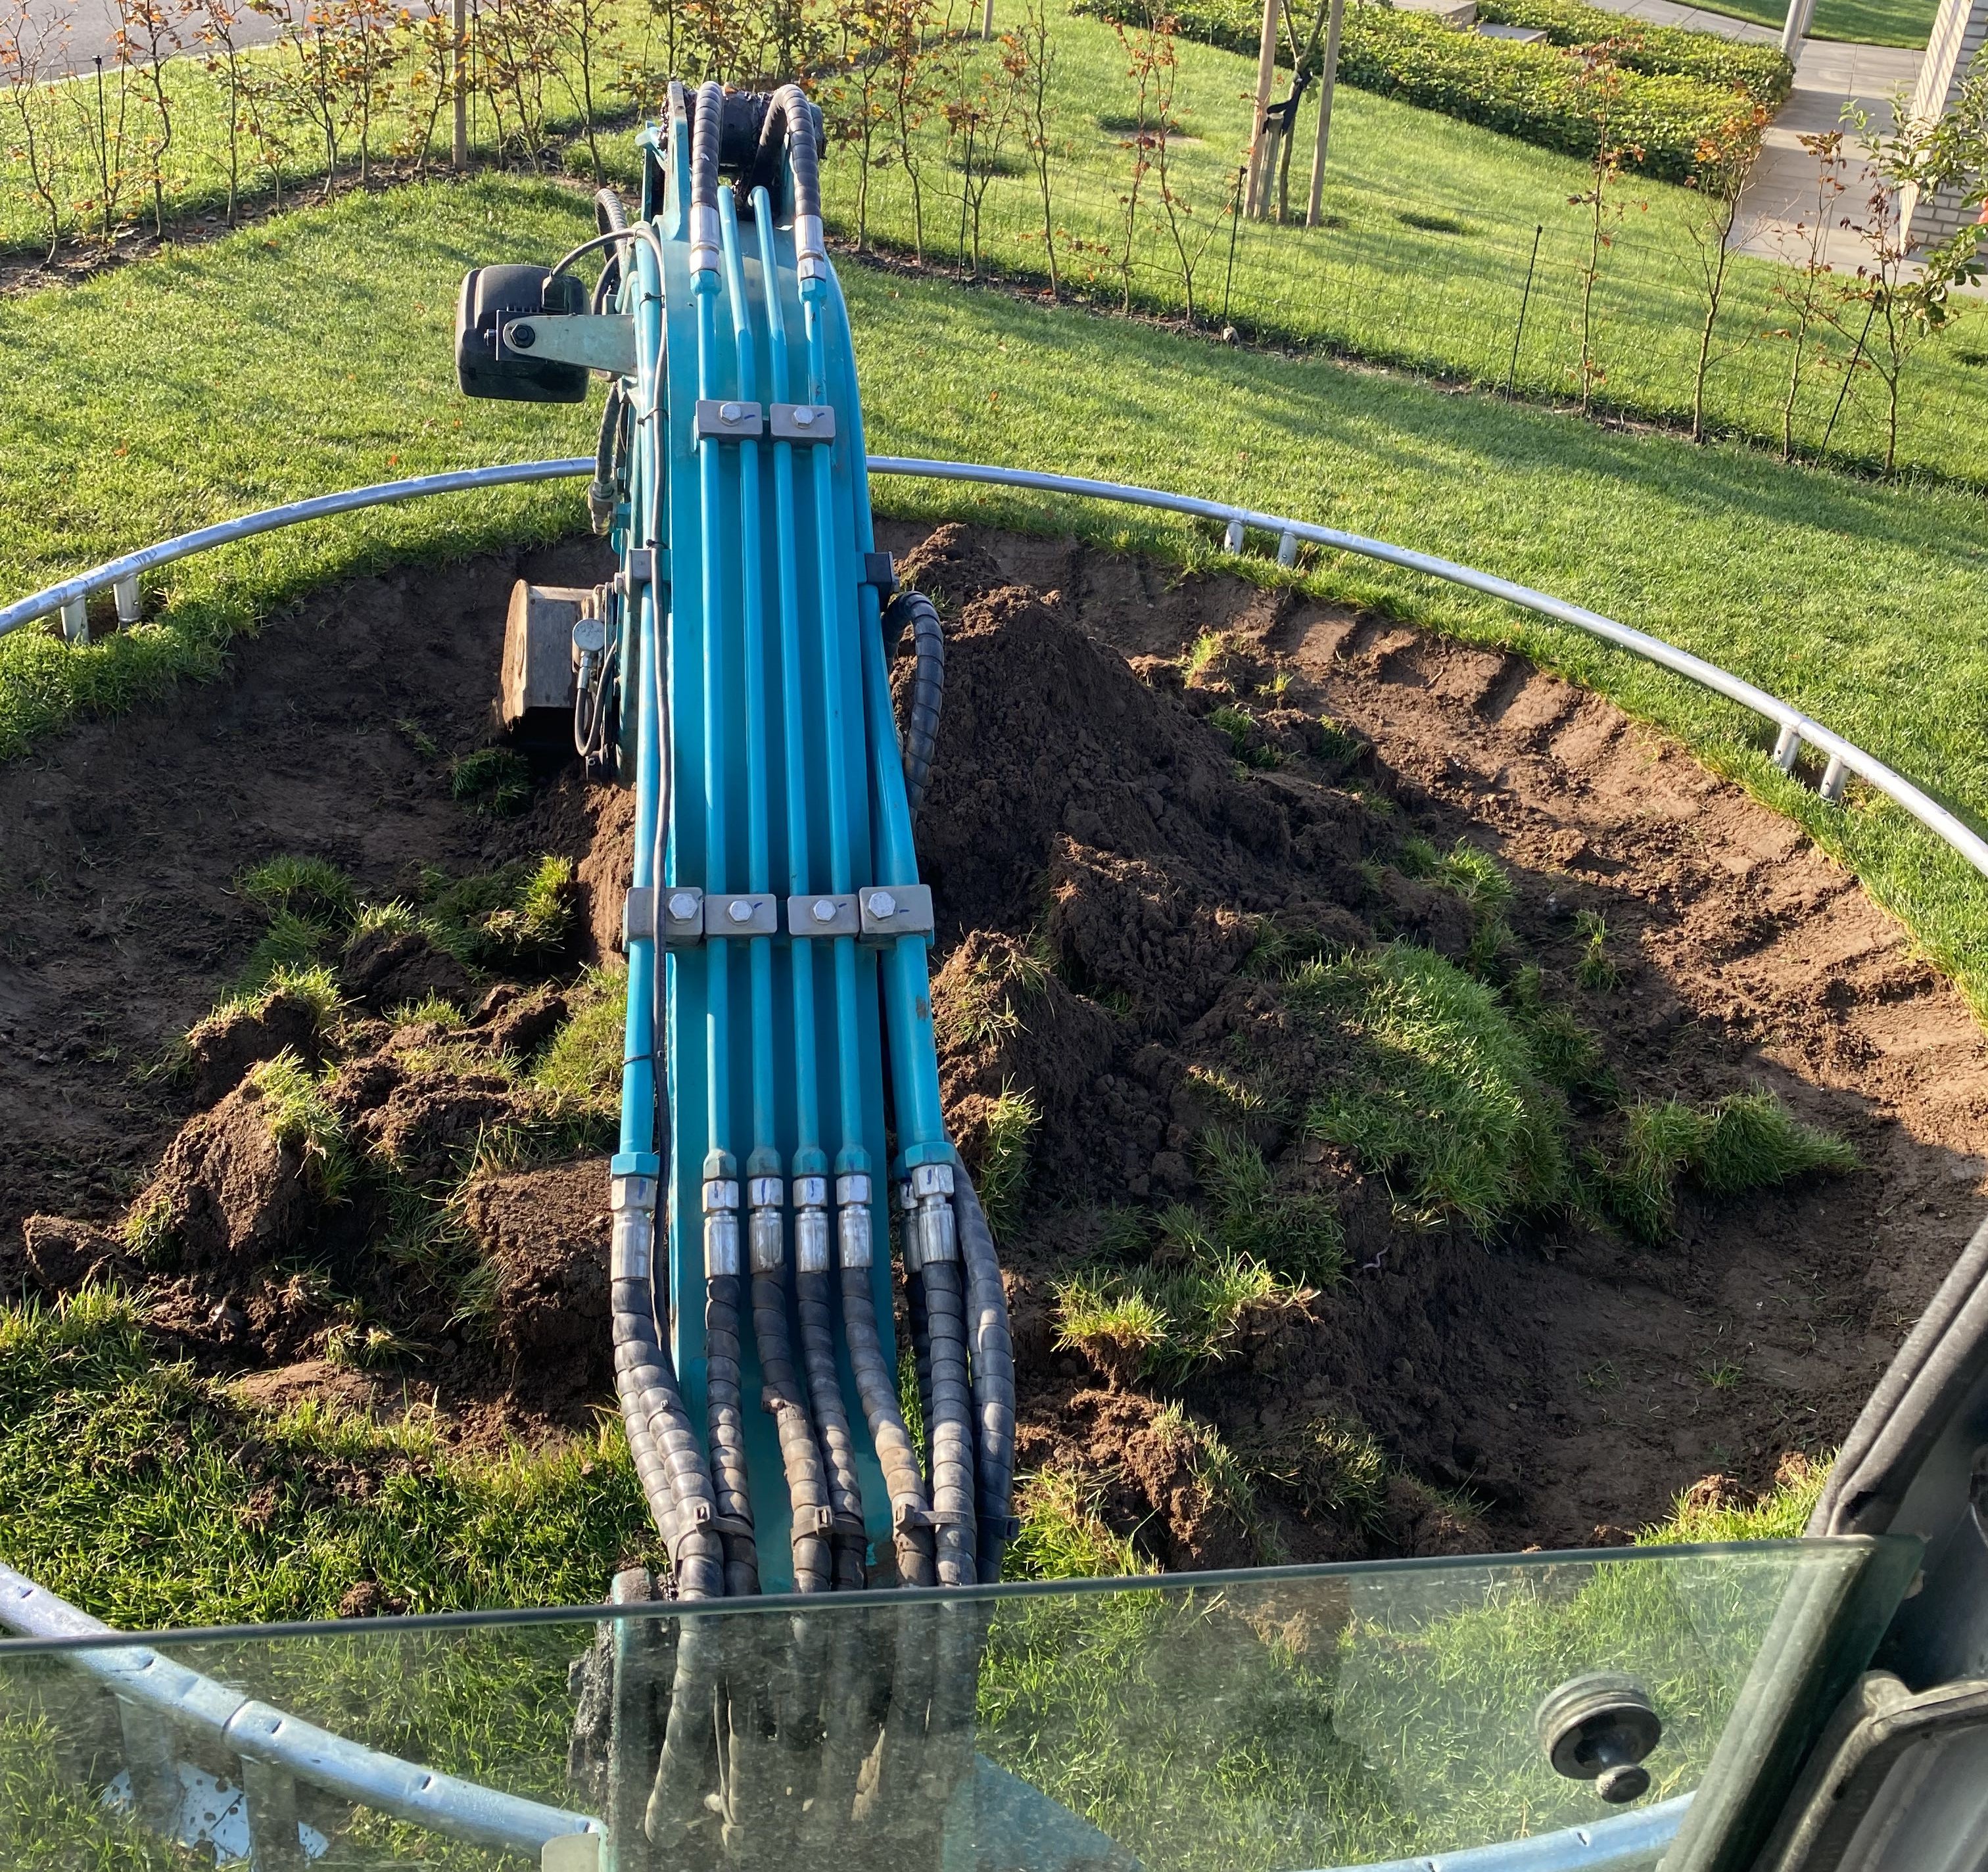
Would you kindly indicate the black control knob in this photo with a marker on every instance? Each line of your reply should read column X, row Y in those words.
column 1599, row 1728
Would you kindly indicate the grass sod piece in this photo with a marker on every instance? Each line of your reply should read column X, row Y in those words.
column 1448, row 1101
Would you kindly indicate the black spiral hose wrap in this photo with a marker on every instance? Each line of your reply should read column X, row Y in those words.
column 814, row 1306
column 800, row 1459
column 726, row 1415
column 951, row 1429
column 993, row 1355
column 927, row 696
column 876, row 1386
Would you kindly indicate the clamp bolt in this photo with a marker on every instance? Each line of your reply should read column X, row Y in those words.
column 523, row 337
column 729, row 412
column 740, row 911
column 824, row 910
column 882, row 903
column 803, row 416
column 683, row 905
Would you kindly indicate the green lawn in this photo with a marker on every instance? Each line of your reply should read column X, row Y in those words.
column 1857, row 601
column 1424, row 259
column 1870, row 22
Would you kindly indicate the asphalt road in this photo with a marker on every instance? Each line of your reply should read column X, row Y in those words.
column 69, row 34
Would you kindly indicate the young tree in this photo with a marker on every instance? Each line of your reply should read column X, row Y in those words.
column 858, row 103
column 1150, row 60
column 148, row 36
column 1030, row 54
column 1726, row 157
column 431, row 82
column 979, row 106
column 583, row 38
column 911, row 97
column 103, row 126
column 30, row 51
column 1191, row 233
column 1905, row 301
column 1600, row 86
column 217, row 23
column 1799, row 287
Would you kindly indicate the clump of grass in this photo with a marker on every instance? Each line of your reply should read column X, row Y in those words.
column 582, row 1060
column 309, row 887
column 393, row 915
column 1596, row 968
column 493, row 781
column 1227, row 1490
column 1712, row 1511
column 1745, row 1141
column 1567, row 1054
column 1282, row 947
column 1115, row 1323
column 1238, row 727
column 1000, row 982
column 1446, row 1100
column 1479, row 881
column 361, row 1347
column 1334, row 1468
column 1338, row 743
column 147, row 1230
column 1296, row 1234
column 523, row 912
column 1062, row 1534
column 910, row 1403
column 300, row 1116
column 1201, row 655
column 1012, row 1119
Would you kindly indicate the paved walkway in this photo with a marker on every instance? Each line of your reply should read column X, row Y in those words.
column 1779, row 207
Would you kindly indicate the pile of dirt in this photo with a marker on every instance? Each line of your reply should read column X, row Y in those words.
column 1154, row 798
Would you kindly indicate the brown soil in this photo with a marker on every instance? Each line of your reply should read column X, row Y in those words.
column 1094, row 843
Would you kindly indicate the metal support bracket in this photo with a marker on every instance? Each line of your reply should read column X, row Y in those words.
column 821, row 914
column 740, row 913
column 802, row 422
column 76, row 619
column 639, row 570
column 1287, row 549
column 881, row 570
column 601, row 341
column 130, row 605
column 1787, row 750
column 889, row 911
column 1232, row 537
column 729, row 422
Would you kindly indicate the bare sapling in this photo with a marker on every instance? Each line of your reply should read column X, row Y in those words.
column 1800, row 288
column 31, row 45
column 1149, row 58
column 1601, row 85
column 978, row 107
column 1030, row 57
column 1724, row 160
column 1906, row 293
column 147, row 38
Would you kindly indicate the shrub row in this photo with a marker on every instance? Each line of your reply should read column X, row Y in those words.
column 1757, row 71
column 1539, row 93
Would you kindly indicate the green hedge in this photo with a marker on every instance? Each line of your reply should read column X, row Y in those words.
column 1759, row 72
column 1534, row 93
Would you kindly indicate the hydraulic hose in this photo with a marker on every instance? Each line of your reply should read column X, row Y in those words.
column 921, row 733
column 951, row 1427
column 806, row 1487
column 707, row 126
column 789, row 117
column 845, row 1495
column 876, row 1386
column 993, row 1358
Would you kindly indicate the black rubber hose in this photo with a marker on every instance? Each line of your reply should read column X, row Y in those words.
column 831, row 1416
column 676, row 1805
column 993, row 1355
column 707, row 130
column 807, row 1487
column 876, row 1386
column 790, row 120
column 608, row 215
column 725, row 1421
column 927, row 696
column 915, row 1310
column 668, row 1462
column 950, row 1430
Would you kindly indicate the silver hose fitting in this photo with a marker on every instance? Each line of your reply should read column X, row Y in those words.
column 703, row 244
column 907, row 1226
column 766, row 1236
column 810, row 249
column 939, row 1240
column 853, row 1229
column 811, row 1225
column 633, row 1204
column 721, row 1227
